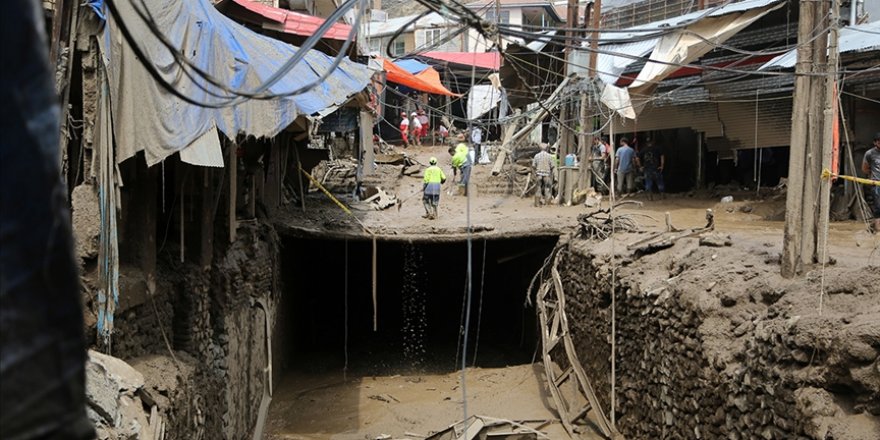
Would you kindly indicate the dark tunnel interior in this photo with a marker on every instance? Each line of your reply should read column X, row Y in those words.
column 420, row 304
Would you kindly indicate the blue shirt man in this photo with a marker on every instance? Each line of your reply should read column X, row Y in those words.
column 625, row 170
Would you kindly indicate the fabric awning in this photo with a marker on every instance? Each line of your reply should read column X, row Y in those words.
column 282, row 20
column 424, row 82
column 412, row 66
column 147, row 117
column 484, row 60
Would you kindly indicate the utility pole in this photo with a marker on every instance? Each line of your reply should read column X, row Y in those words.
column 585, row 151
column 807, row 154
column 829, row 112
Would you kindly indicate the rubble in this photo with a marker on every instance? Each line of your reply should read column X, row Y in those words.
column 113, row 392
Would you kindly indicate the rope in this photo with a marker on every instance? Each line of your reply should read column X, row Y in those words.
column 826, row 174
column 480, row 308
column 345, row 316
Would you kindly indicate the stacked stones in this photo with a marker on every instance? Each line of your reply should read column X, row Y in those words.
column 719, row 357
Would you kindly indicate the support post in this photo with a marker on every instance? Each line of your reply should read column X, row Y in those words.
column 791, row 244
column 828, row 132
column 232, row 164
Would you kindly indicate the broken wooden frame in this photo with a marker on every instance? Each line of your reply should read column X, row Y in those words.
column 572, row 406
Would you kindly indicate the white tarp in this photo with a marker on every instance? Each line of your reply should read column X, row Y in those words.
column 204, row 151
column 689, row 44
column 682, row 46
column 617, row 99
column 481, row 99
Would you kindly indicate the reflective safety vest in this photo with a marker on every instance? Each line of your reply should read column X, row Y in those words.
column 461, row 157
column 434, row 177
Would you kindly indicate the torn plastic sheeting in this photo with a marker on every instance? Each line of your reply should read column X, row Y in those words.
column 617, row 99
column 609, row 67
column 481, row 99
column 204, row 151
column 147, row 117
column 689, row 44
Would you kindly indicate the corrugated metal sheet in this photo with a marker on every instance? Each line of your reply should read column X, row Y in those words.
column 771, row 123
column 735, row 122
column 861, row 38
column 611, row 66
column 701, row 117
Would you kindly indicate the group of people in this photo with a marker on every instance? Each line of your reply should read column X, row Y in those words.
column 414, row 128
column 434, row 177
column 649, row 160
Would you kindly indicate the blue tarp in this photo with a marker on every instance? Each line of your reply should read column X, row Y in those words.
column 147, row 117
column 412, row 66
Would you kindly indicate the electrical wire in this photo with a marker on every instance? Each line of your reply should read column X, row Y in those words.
column 237, row 96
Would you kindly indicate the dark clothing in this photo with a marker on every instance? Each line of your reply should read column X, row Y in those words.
column 650, row 158
column 42, row 369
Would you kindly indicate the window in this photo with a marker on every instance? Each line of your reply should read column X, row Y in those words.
column 376, row 45
column 432, row 37
column 505, row 16
column 398, row 48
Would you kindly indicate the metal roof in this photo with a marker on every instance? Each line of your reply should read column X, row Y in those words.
column 650, row 28
column 283, row 20
column 860, row 38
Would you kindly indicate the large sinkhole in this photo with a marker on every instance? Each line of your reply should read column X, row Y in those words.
column 327, row 315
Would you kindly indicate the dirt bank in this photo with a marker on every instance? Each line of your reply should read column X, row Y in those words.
column 713, row 343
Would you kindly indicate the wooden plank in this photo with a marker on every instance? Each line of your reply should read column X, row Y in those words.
column 232, row 167
column 564, row 376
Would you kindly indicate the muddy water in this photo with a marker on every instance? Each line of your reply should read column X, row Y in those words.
column 413, row 304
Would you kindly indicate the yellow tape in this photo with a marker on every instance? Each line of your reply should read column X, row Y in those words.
column 826, row 173
column 335, row 200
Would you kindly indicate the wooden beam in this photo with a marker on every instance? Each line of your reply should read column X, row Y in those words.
column 232, row 168
column 794, row 203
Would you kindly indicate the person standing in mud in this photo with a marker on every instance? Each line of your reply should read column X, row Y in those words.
column 42, row 372
column 404, row 129
column 433, row 182
column 544, row 166
column 651, row 159
column 626, row 177
column 415, row 129
column 871, row 168
column 461, row 162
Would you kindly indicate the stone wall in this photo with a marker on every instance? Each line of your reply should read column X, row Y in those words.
column 712, row 343
column 214, row 319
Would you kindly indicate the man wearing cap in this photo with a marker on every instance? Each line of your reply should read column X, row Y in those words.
column 416, row 128
column 434, row 179
column 871, row 168
column 404, row 129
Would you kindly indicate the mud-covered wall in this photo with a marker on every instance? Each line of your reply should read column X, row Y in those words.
column 214, row 319
column 712, row 343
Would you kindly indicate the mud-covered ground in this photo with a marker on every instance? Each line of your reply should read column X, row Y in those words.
column 322, row 405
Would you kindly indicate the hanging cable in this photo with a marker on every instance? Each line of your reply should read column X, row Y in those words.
column 480, row 307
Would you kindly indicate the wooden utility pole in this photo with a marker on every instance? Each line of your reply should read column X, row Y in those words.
column 585, row 153
column 806, row 151
column 831, row 68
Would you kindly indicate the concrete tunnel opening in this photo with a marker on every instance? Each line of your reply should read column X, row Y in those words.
column 420, row 299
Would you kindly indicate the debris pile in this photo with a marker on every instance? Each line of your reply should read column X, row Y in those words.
column 118, row 403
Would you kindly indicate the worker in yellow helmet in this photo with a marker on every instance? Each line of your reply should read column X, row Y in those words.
column 461, row 161
column 434, row 178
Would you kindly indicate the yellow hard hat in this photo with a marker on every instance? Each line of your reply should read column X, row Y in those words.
column 432, row 161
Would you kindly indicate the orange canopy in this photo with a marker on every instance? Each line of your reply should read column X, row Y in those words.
column 426, row 81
